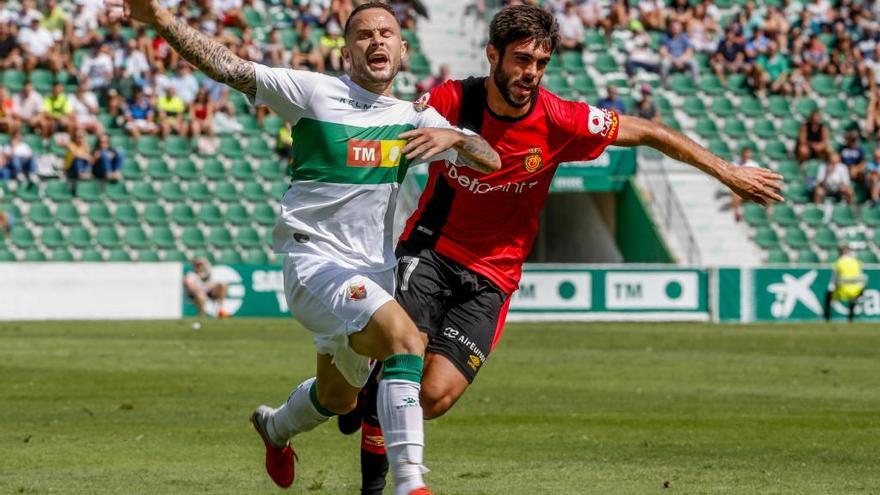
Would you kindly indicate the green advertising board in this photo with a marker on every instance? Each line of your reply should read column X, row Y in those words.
column 547, row 292
column 787, row 294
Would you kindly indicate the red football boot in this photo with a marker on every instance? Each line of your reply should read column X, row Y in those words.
column 420, row 491
column 280, row 460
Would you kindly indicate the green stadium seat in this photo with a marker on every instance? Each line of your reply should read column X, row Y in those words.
column 605, row 63
column 843, row 215
column 720, row 148
column 220, row 238
column 183, row 214
column 178, row 146
column 573, row 61
column 67, row 214
column 811, row 167
column 765, row 129
column 238, row 215
column 155, row 214
column 272, row 124
column 791, row 128
column 248, row 237
column 706, row 128
column 122, row 142
column 126, row 214
column 256, row 257
column 62, row 255
column 257, row 147
column 226, row 192
column 241, row 170
column 751, row 107
column 118, row 255
column 175, row 255
column 88, row 191
column 584, row 84
column 738, row 84
column 203, row 253
column 278, row 190
column 805, row 107
column 271, row 169
column 117, row 192
column 735, row 128
column 210, row 214
column 52, row 238
column 99, row 214
column 172, row 192
column 231, row 148
column 157, row 169
column 253, row 191
column 723, row 107
column 826, row 239
column 149, row 146
column 132, row 170
column 808, row 257
column 823, row 85
column 79, row 237
column 29, row 193
column 6, row 256
column 193, row 238
column 755, row 215
column 163, row 238
column 852, row 86
column 855, row 239
column 230, row 257
column 144, row 192
column 784, row 215
column 777, row 257
column 137, row 238
column 264, row 214
column 867, row 256
column 556, row 83
column 790, row 170
column 108, row 238
column 249, row 125
column 860, row 106
column 682, row 84
column 418, row 64
column 797, row 192
column 779, row 106
column 199, row 192
column 775, row 150
column 34, row 255
column 877, row 237
column 766, row 238
column 213, row 169
column 555, row 65
column 813, row 216
column 871, row 216
column 693, row 107
column 58, row 192
column 40, row 214
column 92, row 255
column 186, row 170
column 837, row 108
column 796, row 238
column 147, row 256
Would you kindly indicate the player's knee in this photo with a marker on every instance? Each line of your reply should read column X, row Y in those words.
column 436, row 401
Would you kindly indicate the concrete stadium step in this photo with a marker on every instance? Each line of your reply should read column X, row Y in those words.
column 449, row 21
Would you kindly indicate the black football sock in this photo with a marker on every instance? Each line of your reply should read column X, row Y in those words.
column 374, row 462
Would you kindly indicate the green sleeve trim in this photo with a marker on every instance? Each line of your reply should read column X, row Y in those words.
column 403, row 367
column 313, row 394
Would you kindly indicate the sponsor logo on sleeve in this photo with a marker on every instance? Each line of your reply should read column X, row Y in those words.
column 368, row 153
column 602, row 122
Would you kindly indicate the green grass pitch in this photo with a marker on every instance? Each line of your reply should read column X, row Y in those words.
column 158, row 408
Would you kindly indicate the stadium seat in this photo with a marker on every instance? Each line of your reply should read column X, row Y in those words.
column 13, row 80
column 720, row 148
column 272, row 124
column 132, row 170
column 257, row 147
column 117, row 191
column 738, row 84
column 149, row 146
column 256, row 257
column 784, row 215
column 775, row 150
column 249, row 125
column 62, row 255
column 860, row 106
column 118, row 255
column 837, row 108
column 230, row 257
column 805, row 107
column 855, row 239
column 272, row 169
column 182, row 214
column 157, row 169
column 213, row 169
column 40, row 214
column 147, row 255
column 34, row 255
column 155, row 214
column 877, row 237
column 790, row 170
column 172, row 192
column 765, row 129
column 779, row 106
column 144, row 192
column 29, row 193
column 175, row 255
column 248, row 237
column 6, row 256
column 186, row 170
column 573, row 61
column 88, row 191
column 871, row 216
column 605, row 63
column 136, row 238
column 92, row 255
column 52, row 238
column 199, row 192
column 693, row 107
column 766, row 238
column 193, row 238
column 843, row 215
column 791, row 128
column 253, row 191
column 264, row 214
column 231, row 148
column 796, row 238
column 584, row 84
column 711, row 85
column 178, row 147
column 79, row 237
column 867, row 256
column 723, row 107
column 279, row 189
column 241, row 170
column 751, row 107
column 808, row 257
column 682, row 84
column 67, row 214
column 99, row 214
column 755, row 215
column 126, row 214
column 825, row 238
column 58, row 191
column 797, row 192
column 735, row 128
column 163, row 238
column 823, row 85
column 107, row 238
column 813, row 216
column 220, row 238
column 706, row 128
column 226, row 192
column 210, row 214
column 777, row 256
column 237, row 214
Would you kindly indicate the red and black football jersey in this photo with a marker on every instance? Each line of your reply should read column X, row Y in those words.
column 488, row 222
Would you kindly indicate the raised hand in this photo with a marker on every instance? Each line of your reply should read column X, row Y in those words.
column 756, row 184
column 139, row 10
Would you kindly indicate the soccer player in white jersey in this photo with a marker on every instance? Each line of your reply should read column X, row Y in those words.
column 353, row 145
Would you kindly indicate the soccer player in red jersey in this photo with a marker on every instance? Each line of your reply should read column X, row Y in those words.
column 461, row 254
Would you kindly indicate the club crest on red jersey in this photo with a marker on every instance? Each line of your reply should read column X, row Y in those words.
column 532, row 161
column 422, row 103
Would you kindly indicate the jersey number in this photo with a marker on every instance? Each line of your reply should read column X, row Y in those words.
column 411, row 263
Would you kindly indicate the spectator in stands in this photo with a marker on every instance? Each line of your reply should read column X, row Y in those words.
column 813, row 141
column 433, row 81
column 97, row 68
column 284, row 142
column 677, row 53
column 872, row 184
column 843, row 59
column 619, row 16
column 331, row 44
column 18, row 159
column 8, row 120
column 645, row 106
column 185, row 84
column 771, row 72
column 590, row 12
column 703, row 30
column 85, row 109
column 800, row 81
column 680, row 11
column 832, row 180
column 777, row 26
column 273, row 50
column 404, row 12
column 85, row 27
column 201, row 287
column 38, row 46
column 10, row 51
column 640, row 54
column 58, row 22
column 852, row 154
column 248, row 48
column 6, row 219
column 730, row 57
column 305, row 54
column 27, row 106
column 139, row 115
column 652, row 14
column 77, row 161
column 571, row 28
column 744, row 160
column 201, row 115
column 757, row 45
column 107, row 161
column 815, row 54
column 57, row 112
column 612, row 102
column 229, row 12
column 131, row 63
column 171, row 111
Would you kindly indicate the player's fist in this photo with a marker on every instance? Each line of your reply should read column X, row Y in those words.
column 756, row 184
column 139, row 10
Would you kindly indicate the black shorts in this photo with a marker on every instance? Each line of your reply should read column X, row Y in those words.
column 461, row 311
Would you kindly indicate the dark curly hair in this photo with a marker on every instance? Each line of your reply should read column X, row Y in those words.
column 523, row 22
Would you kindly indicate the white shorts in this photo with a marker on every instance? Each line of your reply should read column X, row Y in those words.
column 334, row 302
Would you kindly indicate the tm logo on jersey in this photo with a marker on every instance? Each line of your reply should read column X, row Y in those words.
column 367, row 153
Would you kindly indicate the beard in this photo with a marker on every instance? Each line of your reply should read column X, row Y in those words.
column 503, row 81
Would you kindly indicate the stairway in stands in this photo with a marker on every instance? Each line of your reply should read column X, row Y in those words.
column 450, row 21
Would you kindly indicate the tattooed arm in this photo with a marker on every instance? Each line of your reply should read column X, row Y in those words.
column 212, row 58
column 473, row 151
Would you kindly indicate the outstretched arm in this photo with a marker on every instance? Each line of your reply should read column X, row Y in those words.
column 212, row 58
column 757, row 184
column 473, row 151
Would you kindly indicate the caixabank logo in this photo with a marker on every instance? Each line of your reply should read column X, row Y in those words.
column 798, row 294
